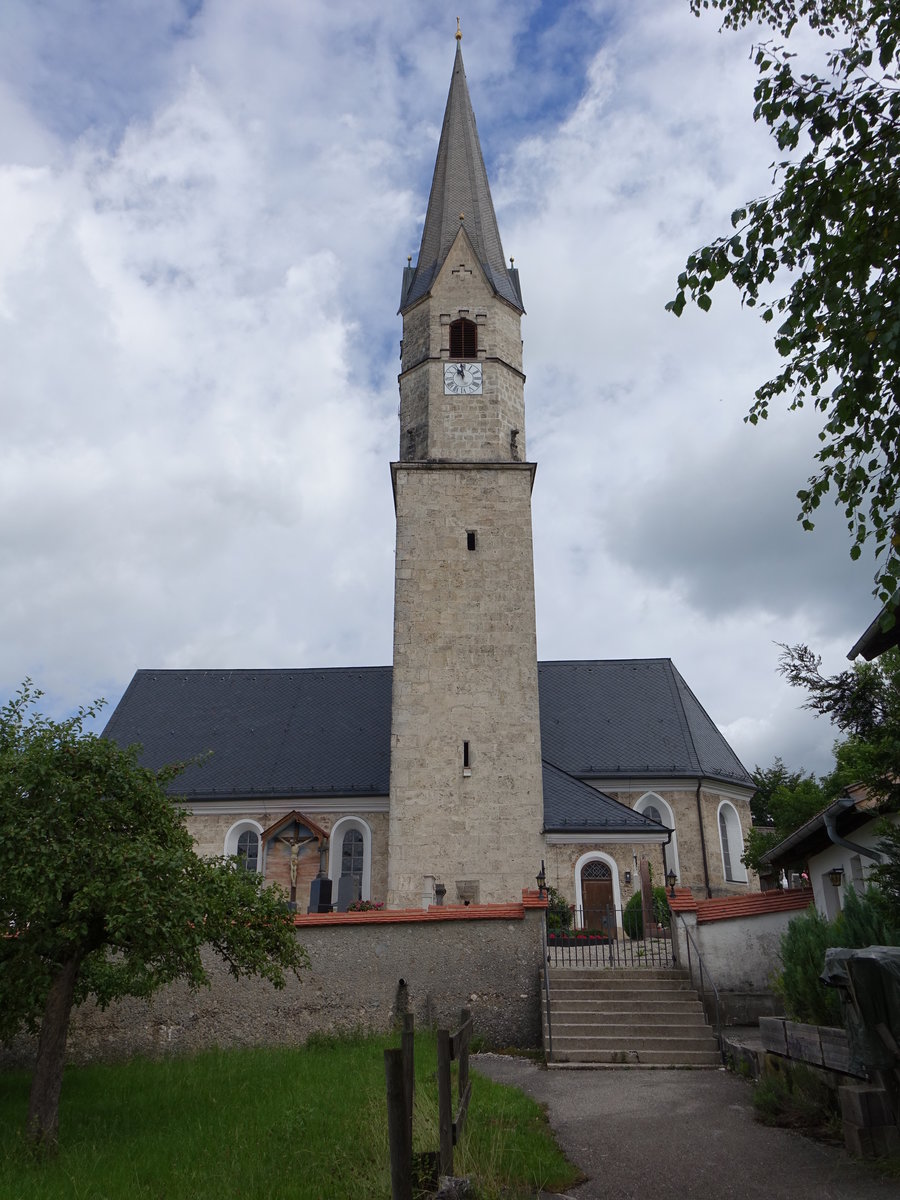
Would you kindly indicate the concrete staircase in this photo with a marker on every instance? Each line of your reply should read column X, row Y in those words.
column 626, row 1017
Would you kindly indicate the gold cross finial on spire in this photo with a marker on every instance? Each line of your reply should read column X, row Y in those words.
column 458, row 31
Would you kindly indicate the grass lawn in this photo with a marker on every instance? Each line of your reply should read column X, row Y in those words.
column 292, row 1123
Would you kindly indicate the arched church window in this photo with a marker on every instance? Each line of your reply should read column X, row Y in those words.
column 353, row 855
column 651, row 811
column 463, row 338
column 732, row 842
column 248, row 850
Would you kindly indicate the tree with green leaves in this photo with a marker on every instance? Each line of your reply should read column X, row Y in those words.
column 102, row 894
column 886, row 874
column 768, row 781
column 787, row 799
column 830, row 228
column 863, row 703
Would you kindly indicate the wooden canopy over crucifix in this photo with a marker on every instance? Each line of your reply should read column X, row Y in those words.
column 296, row 831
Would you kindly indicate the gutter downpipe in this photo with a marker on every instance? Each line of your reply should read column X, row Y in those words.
column 703, row 843
column 829, row 817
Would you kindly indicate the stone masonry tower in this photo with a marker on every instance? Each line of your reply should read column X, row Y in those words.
column 466, row 806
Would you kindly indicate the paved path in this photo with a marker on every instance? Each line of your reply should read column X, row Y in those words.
column 684, row 1134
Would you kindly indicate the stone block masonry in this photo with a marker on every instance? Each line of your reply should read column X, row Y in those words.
column 484, row 958
column 465, row 683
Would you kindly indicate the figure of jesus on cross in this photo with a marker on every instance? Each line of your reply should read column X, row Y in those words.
column 295, row 845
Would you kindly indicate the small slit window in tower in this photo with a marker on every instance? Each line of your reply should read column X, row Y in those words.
column 466, row 762
column 471, row 539
column 463, row 339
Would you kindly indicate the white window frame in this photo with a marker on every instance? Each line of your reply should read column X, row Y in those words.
column 231, row 839
column 735, row 842
column 596, row 856
column 335, row 853
column 665, row 811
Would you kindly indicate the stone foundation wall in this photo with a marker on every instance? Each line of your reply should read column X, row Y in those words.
column 488, row 964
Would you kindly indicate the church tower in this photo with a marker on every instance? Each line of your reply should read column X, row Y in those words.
column 466, row 806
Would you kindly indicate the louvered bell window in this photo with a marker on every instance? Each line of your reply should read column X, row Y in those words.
column 463, row 339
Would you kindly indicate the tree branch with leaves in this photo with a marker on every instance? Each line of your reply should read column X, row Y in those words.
column 831, row 226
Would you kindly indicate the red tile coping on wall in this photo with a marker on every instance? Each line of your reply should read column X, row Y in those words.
column 723, row 908
column 435, row 912
column 682, row 901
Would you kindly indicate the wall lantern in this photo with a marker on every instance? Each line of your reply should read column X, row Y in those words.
column 836, row 876
column 542, row 880
column 628, row 879
column 671, row 880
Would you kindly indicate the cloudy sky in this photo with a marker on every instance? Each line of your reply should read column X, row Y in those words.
column 206, row 206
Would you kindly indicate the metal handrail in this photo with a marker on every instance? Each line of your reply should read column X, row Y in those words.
column 546, row 954
column 691, row 942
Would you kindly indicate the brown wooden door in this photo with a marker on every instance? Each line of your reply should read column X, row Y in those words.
column 597, row 896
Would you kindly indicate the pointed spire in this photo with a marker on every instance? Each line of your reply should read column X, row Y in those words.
column 460, row 195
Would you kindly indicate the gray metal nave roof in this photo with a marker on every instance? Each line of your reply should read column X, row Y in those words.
column 571, row 806
column 619, row 718
column 287, row 733
column 318, row 732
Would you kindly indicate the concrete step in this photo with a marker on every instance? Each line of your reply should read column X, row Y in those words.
column 639, row 1017
column 611, row 978
column 644, row 1058
column 620, row 985
column 631, row 1037
column 617, row 1020
column 673, row 1004
column 623, row 996
column 600, row 972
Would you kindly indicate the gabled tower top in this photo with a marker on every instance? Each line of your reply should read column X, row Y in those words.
column 460, row 192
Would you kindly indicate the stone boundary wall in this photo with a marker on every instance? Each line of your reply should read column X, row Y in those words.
column 740, row 949
column 486, row 959
column 813, row 1045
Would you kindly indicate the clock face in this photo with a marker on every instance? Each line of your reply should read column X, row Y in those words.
column 462, row 378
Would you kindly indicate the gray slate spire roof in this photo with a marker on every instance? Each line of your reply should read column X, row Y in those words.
column 460, row 185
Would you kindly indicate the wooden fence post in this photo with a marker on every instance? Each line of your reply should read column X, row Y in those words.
column 399, row 1126
column 407, row 1045
column 461, row 1054
column 445, row 1101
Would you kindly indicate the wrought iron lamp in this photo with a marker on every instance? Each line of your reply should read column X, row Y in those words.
column 836, row 876
column 542, row 880
column 671, row 880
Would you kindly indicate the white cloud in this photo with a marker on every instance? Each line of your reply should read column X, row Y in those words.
column 203, row 243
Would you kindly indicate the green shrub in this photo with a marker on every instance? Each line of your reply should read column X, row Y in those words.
column 559, row 914
column 867, row 920
column 803, row 948
column 864, row 921
column 633, row 916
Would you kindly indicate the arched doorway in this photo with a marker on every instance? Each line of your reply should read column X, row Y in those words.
column 597, row 896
